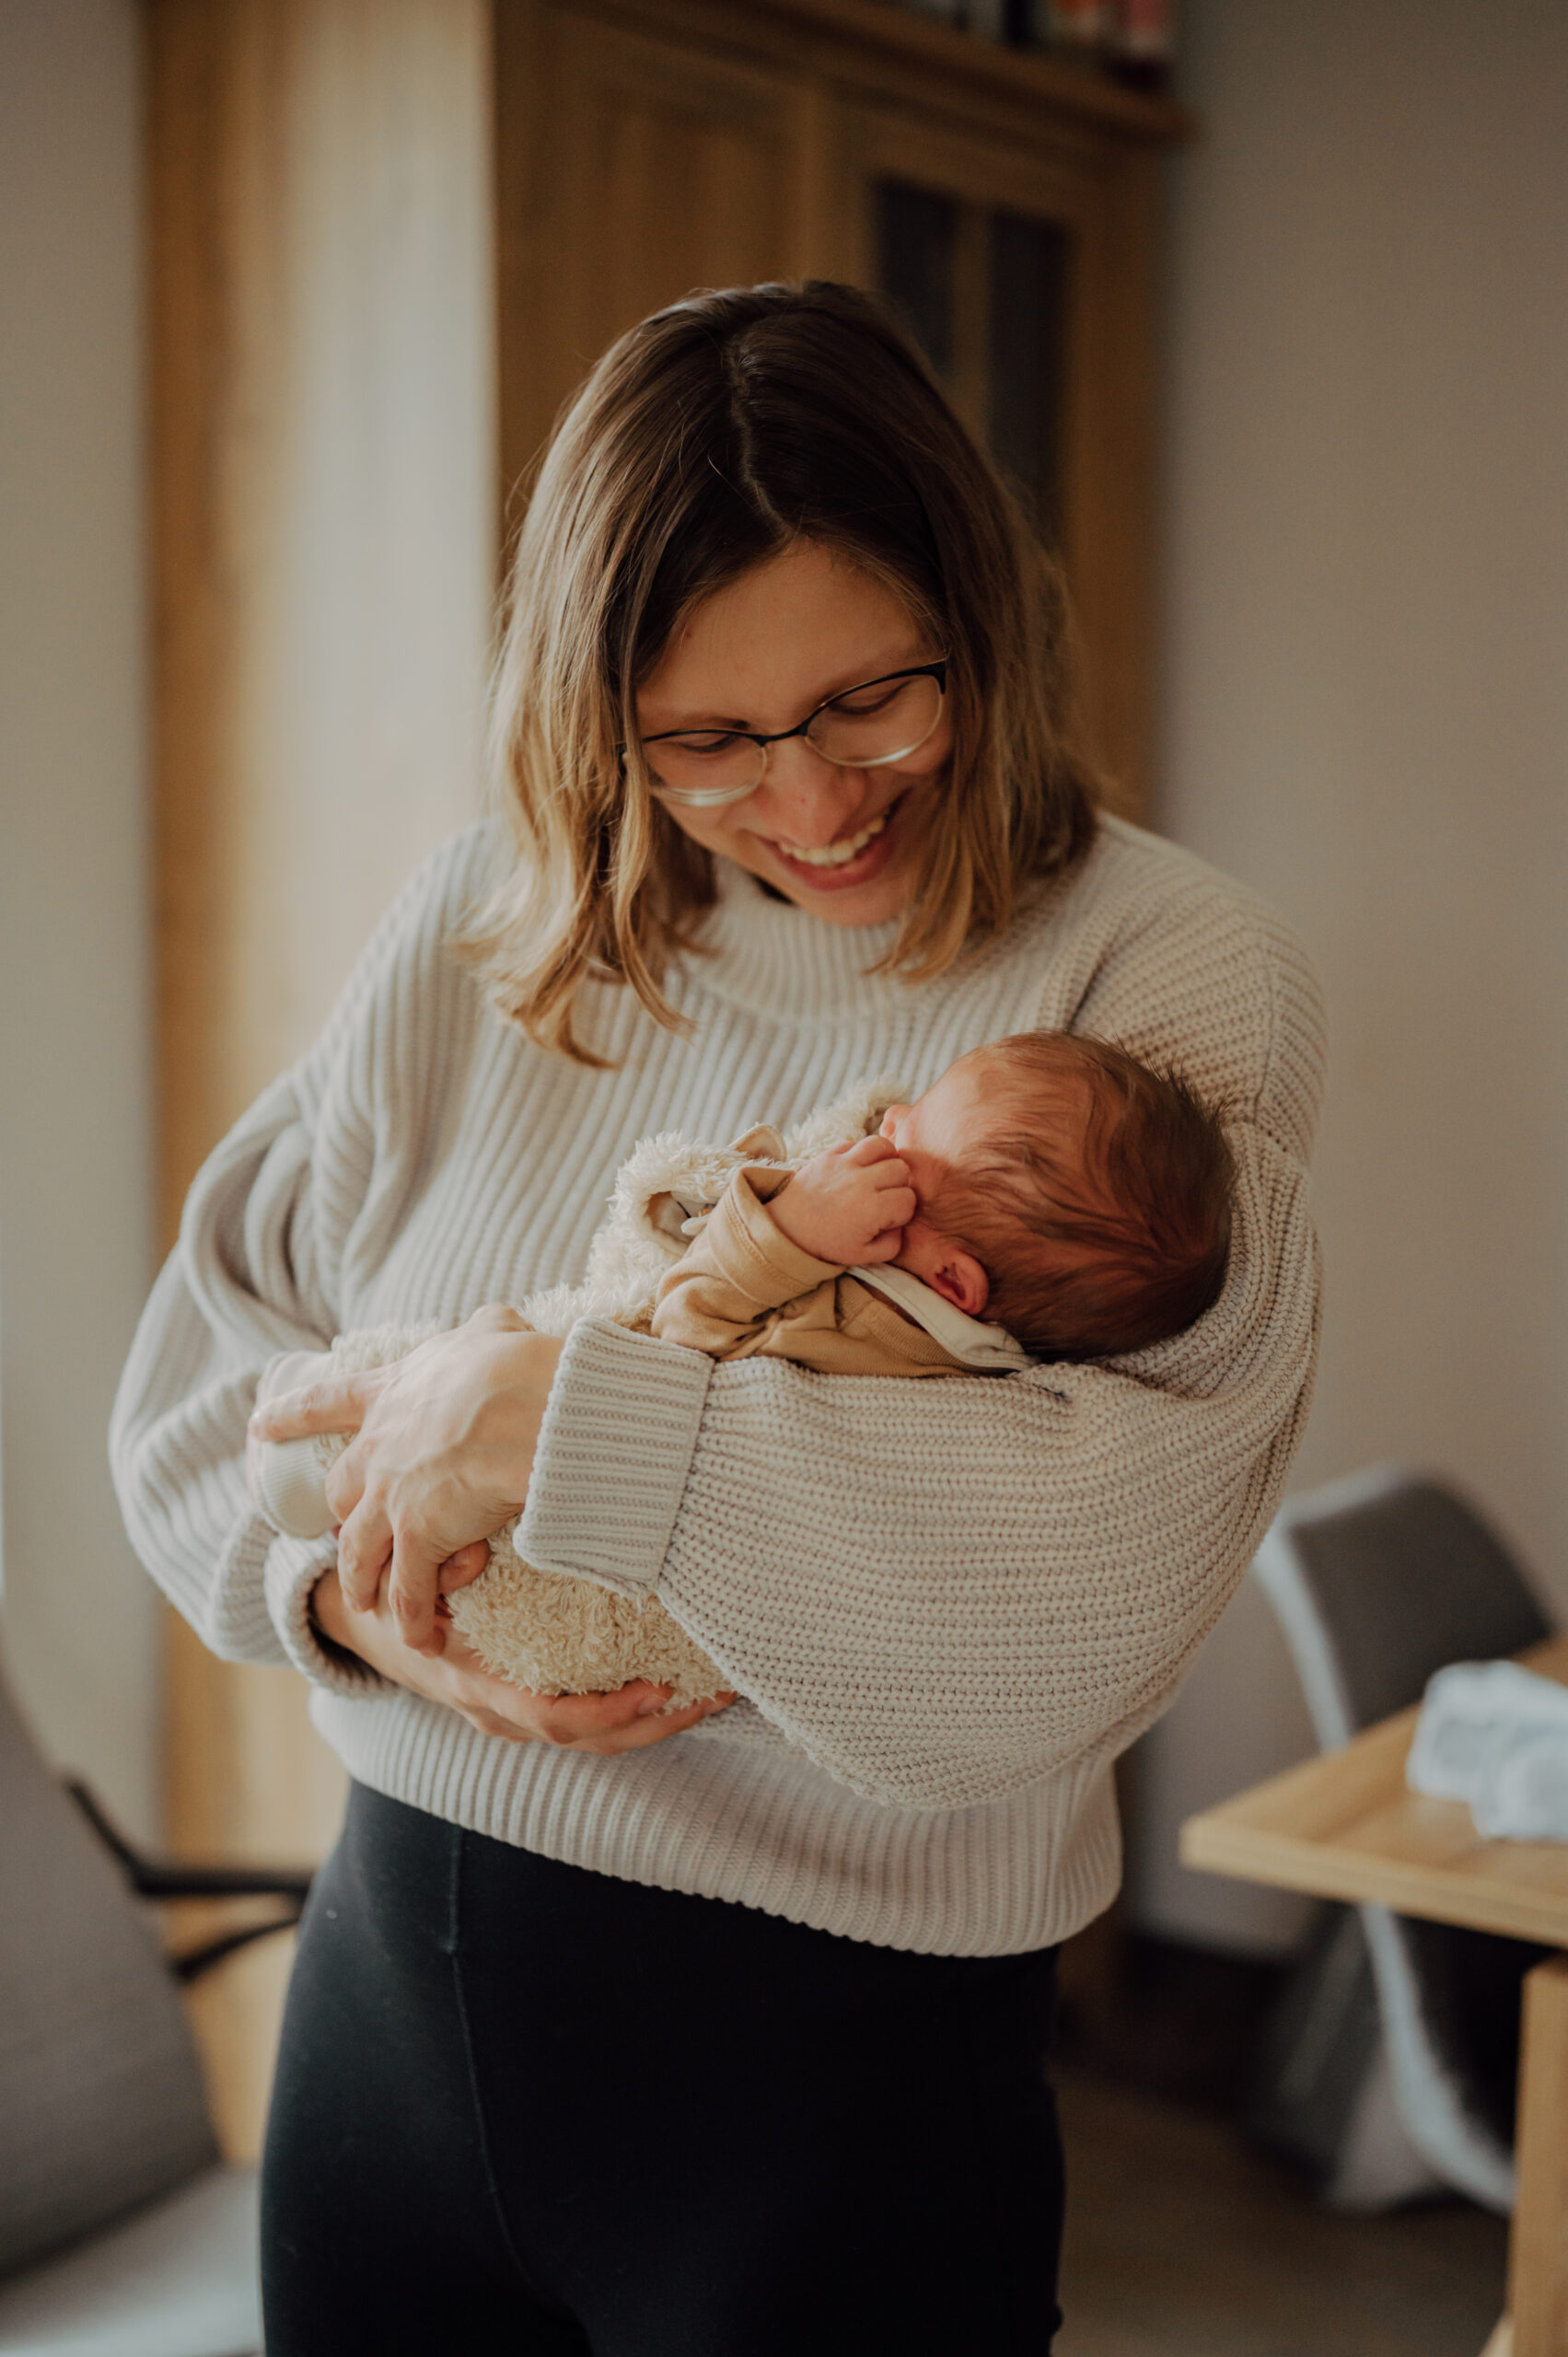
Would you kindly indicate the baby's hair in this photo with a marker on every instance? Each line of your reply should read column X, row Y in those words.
column 1098, row 1202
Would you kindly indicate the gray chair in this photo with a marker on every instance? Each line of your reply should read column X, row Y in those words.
column 1396, row 2053
column 123, row 2234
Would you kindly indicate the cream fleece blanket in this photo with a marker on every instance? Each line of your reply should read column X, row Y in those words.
column 551, row 1633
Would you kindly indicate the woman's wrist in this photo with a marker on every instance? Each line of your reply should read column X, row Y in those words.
column 328, row 1618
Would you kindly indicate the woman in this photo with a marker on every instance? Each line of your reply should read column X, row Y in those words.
column 790, row 803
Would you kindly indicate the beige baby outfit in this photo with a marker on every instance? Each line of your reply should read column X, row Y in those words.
column 744, row 1291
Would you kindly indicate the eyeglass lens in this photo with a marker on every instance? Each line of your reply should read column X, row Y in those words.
column 863, row 729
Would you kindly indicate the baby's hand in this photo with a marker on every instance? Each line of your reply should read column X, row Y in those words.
column 851, row 1203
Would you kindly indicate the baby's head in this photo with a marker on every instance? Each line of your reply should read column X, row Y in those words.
column 1073, row 1194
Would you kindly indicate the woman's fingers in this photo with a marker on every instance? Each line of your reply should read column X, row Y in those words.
column 365, row 1550
column 568, row 1718
column 463, row 1568
column 626, row 1721
column 344, row 1483
column 652, row 1729
column 336, row 1407
column 369, row 1549
column 412, row 1591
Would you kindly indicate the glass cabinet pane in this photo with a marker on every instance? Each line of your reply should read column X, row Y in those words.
column 1027, row 315
column 917, row 236
column 985, row 295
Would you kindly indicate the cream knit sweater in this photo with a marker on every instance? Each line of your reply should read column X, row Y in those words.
column 947, row 1605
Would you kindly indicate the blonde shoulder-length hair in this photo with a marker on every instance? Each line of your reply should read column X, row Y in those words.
column 708, row 439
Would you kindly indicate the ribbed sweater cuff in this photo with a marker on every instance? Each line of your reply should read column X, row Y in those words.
column 294, row 1566
column 613, row 1457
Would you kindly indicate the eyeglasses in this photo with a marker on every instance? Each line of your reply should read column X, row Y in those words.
column 861, row 729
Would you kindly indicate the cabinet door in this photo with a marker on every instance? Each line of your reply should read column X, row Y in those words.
column 1027, row 278
column 986, row 293
column 648, row 146
column 632, row 170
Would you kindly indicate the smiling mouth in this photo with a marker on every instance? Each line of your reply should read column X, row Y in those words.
column 839, row 854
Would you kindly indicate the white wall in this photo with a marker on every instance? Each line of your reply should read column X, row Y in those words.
column 1367, row 716
column 79, row 1623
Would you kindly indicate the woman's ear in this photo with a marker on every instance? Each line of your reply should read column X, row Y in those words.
column 959, row 1277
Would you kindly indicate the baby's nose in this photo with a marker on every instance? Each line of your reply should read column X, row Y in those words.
column 890, row 1120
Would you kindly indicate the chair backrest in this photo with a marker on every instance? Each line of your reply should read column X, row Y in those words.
column 1378, row 1582
column 100, row 2097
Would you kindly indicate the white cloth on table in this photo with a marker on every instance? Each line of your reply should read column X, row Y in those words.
column 1495, row 1735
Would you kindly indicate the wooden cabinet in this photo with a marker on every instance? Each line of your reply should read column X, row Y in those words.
column 1007, row 206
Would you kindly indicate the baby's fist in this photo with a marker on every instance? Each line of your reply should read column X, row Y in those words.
column 851, row 1203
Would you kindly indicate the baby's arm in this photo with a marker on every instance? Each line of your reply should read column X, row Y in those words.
column 849, row 1205
column 772, row 1237
column 721, row 1294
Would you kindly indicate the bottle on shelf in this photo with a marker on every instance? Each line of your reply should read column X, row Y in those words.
column 1146, row 42
column 1087, row 26
column 1134, row 40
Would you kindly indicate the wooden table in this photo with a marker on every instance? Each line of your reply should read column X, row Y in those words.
column 1346, row 1825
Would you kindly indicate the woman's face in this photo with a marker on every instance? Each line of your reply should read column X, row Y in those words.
column 763, row 653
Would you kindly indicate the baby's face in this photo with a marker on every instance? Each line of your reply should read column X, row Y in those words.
column 935, row 1135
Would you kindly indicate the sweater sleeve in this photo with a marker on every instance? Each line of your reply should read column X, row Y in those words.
column 256, row 1271
column 941, row 1592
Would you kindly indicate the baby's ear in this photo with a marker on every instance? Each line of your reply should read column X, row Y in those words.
column 959, row 1277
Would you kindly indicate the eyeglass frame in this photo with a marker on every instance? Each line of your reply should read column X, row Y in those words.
column 715, row 798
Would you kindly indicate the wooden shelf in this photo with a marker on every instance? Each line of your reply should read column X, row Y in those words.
column 865, row 41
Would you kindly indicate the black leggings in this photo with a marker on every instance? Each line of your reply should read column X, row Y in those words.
column 522, row 2108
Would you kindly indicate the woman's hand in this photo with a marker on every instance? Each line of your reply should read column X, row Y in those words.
column 442, row 1448
column 626, row 1721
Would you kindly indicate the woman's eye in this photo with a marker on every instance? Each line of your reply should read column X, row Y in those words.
column 866, row 701
column 704, row 741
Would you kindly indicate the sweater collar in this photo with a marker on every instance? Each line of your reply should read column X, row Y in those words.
column 774, row 958
column 990, row 1350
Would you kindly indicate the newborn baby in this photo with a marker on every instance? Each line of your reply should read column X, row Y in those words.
column 1048, row 1197
column 1078, row 1197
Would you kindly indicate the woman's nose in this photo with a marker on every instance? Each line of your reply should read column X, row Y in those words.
column 805, row 799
